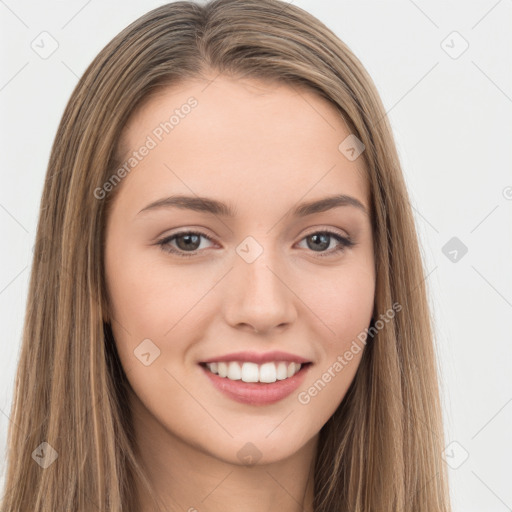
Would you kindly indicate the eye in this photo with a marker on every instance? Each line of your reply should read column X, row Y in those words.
column 321, row 240
column 189, row 242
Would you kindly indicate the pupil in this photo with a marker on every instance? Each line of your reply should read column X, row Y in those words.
column 188, row 242
column 325, row 237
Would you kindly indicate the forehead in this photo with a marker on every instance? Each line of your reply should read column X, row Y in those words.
column 226, row 137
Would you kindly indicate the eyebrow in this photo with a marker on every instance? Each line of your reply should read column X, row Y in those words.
column 215, row 207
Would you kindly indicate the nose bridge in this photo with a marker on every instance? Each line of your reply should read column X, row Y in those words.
column 258, row 294
column 257, row 269
column 259, row 277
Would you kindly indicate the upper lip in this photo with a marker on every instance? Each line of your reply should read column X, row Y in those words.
column 258, row 358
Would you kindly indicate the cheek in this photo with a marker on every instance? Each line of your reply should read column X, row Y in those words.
column 147, row 296
column 344, row 306
column 343, row 302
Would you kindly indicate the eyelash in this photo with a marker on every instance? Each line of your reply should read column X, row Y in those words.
column 166, row 247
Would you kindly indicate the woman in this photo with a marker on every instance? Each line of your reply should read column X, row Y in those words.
column 286, row 362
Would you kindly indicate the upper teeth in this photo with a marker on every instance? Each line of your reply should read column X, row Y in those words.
column 252, row 372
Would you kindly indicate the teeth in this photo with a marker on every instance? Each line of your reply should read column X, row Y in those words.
column 282, row 370
column 251, row 372
column 234, row 371
column 223, row 369
column 268, row 372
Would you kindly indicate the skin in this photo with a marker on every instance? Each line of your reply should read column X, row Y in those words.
column 264, row 148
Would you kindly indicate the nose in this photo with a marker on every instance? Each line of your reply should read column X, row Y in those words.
column 259, row 298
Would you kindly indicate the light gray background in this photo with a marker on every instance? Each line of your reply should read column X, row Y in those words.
column 452, row 122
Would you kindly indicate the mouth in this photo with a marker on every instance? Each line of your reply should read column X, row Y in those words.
column 250, row 372
column 253, row 384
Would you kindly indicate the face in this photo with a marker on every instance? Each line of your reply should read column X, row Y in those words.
column 264, row 276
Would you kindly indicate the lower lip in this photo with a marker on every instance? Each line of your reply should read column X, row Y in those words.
column 257, row 393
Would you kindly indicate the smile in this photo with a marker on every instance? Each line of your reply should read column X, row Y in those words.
column 252, row 372
column 254, row 384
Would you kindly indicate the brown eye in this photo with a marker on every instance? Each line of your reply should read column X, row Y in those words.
column 186, row 242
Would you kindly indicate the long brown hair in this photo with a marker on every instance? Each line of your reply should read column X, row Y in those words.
column 381, row 450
